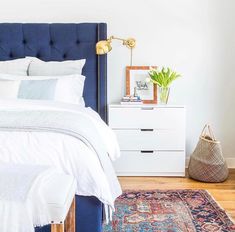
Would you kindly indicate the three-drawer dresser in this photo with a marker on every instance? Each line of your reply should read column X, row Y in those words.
column 151, row 139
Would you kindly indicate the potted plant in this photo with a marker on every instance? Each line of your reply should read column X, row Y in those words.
column 163, row 78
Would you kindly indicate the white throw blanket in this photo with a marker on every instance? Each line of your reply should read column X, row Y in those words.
column 22, row 205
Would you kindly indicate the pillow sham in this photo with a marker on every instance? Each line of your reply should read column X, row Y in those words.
column 68, row 89
column 15, row 67
column 38, row 67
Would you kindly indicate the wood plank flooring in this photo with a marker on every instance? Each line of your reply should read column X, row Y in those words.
column 223, row 193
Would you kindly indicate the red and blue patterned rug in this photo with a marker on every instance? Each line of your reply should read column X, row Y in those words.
column 168, row 211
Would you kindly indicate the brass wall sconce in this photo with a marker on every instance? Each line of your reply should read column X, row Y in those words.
column 104, row 46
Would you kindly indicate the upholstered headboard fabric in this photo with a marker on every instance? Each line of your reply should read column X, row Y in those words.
column 59, row 42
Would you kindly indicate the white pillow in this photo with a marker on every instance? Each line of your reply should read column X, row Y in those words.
column 68, row 89
column 15, row 67
column 38, row 67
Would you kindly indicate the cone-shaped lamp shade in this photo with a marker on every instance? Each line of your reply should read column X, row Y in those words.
column 103, row 47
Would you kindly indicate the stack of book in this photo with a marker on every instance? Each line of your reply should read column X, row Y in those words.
column 126, row 100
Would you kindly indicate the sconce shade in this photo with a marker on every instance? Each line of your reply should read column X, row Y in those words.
column 103, row 47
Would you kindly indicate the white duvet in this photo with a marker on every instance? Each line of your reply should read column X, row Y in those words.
column 66, row 153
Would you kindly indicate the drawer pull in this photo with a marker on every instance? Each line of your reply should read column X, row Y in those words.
column 147, row 151
column 147, row 108
column 146, row 129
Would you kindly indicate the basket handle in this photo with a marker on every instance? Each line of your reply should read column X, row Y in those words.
column 210, row 132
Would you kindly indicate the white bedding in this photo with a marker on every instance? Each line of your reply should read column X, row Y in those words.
column 66, row 153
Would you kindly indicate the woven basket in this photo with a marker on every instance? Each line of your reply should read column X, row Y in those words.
column 207, row 163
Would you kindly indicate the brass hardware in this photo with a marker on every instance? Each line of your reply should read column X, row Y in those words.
column 104, row 46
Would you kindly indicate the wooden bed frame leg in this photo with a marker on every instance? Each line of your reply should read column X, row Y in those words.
column 70, row 219
column 69, row 225
column 57, row 228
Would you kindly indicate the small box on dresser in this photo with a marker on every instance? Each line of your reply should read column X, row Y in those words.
column 151, row 139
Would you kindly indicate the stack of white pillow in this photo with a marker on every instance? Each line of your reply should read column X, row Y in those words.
column 31, row 78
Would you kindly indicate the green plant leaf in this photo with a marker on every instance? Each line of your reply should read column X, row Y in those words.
column 163, row 78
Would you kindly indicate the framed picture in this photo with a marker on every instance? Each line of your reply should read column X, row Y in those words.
column 136, row 83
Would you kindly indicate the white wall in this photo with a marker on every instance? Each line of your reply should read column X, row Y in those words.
column 195, row 37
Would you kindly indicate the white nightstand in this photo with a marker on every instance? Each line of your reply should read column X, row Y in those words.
column 151, row 138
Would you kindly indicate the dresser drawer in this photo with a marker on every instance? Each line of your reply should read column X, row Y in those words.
column 147, row 117
column 135, row 163
column 152, row 139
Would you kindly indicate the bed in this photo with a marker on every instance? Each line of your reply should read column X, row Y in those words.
column 60, row 42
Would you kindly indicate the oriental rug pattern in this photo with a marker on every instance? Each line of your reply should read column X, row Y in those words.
column 168, row 211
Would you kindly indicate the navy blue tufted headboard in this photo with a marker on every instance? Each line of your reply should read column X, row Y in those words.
column 60, row 42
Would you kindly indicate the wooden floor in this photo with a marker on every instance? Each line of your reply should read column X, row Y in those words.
column 224, row 193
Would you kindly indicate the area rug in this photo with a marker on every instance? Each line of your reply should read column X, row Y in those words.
column 168, row 211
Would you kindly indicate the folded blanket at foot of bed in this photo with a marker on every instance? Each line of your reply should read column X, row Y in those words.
column 22, row 204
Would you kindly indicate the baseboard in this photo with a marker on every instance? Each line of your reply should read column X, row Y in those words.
column 230, row 162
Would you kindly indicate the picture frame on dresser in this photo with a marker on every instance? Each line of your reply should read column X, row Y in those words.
column 136, row 83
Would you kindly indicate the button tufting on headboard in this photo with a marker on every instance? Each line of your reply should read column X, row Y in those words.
column 58, row 42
